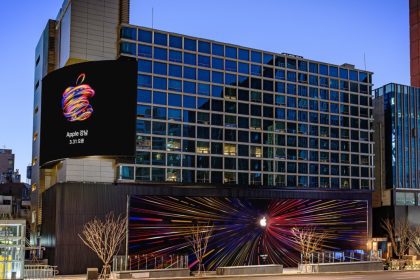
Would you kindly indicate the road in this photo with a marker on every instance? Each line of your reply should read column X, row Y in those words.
column 383, row 275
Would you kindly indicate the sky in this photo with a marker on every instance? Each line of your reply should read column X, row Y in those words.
column 370, row 34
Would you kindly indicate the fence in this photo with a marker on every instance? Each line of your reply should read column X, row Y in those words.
column 149, row 261
column 40, row 272
column 342, row 256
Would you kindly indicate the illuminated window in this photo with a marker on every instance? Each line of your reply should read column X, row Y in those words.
column 173, row 175
column 230, row 149
column 202, row 147
column 230, row 93
column 143, row 142
column 173, row 144
column 35, row 135
column 256, row 151
column 34, row 187
column 34, row 161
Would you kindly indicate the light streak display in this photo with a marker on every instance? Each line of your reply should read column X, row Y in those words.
column 75, row 102
column 244, row 230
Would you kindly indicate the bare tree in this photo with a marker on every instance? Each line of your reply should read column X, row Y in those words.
column 415, row 239
column 399, row 235
column 104, row 238
column 199, row 239
column 309, row 241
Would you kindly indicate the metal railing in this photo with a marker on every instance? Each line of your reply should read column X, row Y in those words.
column 341, row 256
column 148, row 261
column 40, row 272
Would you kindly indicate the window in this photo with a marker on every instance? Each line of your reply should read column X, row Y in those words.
column 143, row 126
column 175, row 56
column 256, row 56
column 190, row 59
column 243, row 54
column 144, row 111
column 175, row 71
column 159, row 83
column 218, row 49
column 126, row 32
column 203, row 61
column 144, row 96
column 229, row 149
column 160, row 53
column 145, row 36
column 190, row 44
column 159, row 128
column 159, row 98
column 144, row 81
column 256, row 151
column 160, row 39
column 143, row 173
column 158, row 143
column 175, row 41
column 230, row 52
column 203, row 47
column 173, row 175
column 202, row 147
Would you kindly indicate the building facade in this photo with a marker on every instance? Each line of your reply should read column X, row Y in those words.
column 7, row 165
column 212, row 120
column 251, row 117
column 415, row 43
column 397, row 153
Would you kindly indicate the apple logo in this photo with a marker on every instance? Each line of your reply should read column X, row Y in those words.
column 75, row 101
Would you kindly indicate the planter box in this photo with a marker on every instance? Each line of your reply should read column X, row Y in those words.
column 250, row 269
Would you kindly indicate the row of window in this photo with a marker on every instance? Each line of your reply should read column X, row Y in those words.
column 219, row 78
column 217, row 49
column 191, row 131
column 172, row 99
column 187, row 116
column 159, row 158
column 279, row 142
column 189, row 72
column 242, row 178
column 230, row 105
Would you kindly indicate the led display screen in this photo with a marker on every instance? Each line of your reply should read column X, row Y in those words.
column 89, row 109
column 244, row 231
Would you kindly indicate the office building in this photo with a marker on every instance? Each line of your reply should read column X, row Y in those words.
column 415, row 43
column 397, row 154
column 7, row 165
column 211, row 121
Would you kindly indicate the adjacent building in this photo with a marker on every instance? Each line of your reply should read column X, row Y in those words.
column 7, row 166
column 211, row 119
column 415, row 43
column 397, row 153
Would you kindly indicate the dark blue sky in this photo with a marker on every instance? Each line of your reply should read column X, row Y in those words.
column 334, row 31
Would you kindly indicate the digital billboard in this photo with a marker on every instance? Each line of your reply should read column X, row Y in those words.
column 89, row 109
column 243, row 229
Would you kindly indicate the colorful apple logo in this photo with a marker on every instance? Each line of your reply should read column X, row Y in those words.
column 75, row 102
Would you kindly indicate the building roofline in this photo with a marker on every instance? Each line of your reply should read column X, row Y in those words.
column 239, row 46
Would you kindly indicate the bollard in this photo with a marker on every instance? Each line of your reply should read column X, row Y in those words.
column 92, row 273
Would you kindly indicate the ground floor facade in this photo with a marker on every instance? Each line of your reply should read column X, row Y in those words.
column 234, row 212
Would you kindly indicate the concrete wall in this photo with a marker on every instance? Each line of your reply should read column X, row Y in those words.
column 91, row 169
column 342, row 267
column 88, row 30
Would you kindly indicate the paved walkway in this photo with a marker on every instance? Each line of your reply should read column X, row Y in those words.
column 290, row 274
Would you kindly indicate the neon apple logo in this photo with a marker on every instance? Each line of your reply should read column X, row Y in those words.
column 75, row 102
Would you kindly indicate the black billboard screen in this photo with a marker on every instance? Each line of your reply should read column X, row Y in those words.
column 89, row 109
